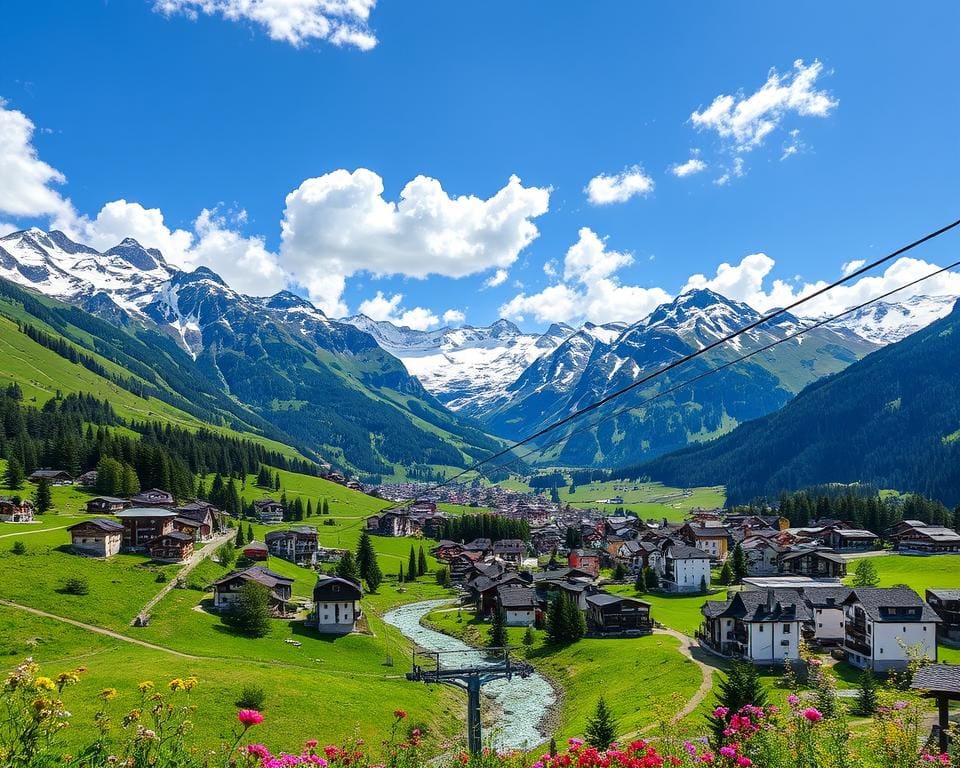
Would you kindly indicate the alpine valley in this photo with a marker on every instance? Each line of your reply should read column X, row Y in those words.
column 515, row 383
column 370, row 397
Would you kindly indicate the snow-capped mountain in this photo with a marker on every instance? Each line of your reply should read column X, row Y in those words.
column 888, row 322
column 469, row 369
column 581, row 371
column 127, row 275
column 276, row 362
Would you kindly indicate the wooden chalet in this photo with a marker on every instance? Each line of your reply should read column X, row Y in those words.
column 280, row 588
column 187, row 526
column 155, row 497
column 101, row 537
column 851, row 539
column 946, row 602
column 16, row 510
column 518, row 603
column 816, row 563
column 202, row 512
column 107, row 505
column 914, row 536
column 255, row 550
column 268, row 511
column 141, row 525
column 510, row 550
column 608, row 613
column 173, row 547
column 52, row 476
column 585, row 560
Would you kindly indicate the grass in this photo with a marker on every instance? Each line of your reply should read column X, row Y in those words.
column 301, row 703
column 643, row 679
column 679, row 611
column 919, row 572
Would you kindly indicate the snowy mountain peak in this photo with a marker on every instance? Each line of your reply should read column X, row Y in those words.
column 886, row 322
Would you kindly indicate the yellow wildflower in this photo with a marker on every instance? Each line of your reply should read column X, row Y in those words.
column 108, row 693
column 44, row 683
column 146, row 685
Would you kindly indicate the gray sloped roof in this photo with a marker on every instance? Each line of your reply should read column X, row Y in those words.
column 892, row 604
column 937, row 677
column 109, row 526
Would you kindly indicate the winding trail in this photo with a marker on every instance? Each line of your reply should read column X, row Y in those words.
column 35, row 530
column 687, row 646
column 195, row 559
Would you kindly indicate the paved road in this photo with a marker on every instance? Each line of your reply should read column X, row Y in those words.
column 195, row 559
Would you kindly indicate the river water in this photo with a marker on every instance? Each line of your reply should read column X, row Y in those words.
column 523, row 703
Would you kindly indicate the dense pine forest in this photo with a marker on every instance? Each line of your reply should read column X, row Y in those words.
column 79, row 432
column 862, row 507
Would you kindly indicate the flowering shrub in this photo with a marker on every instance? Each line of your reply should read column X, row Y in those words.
column 156, row 734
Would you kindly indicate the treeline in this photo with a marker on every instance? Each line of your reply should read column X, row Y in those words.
column 855, row 506
column 466, row 528
column 77, row 433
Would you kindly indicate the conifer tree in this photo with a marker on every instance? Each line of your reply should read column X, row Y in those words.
column 640, row 584
column 865, row 574
column 249, row 532
column 421, row 562
column 601, row 727
column 650, row 576
column 326, row 507
column 14, row 477
column 726, row 573
column 412, row 565
column 367, row 565
column 42, row 498
column 739, row 564
column 250, row 612
column 498, row 630
column 528, row 638
column 739, row 687
column 309, row 508
column 347, row 568
column 239, row 541
column 867, row 700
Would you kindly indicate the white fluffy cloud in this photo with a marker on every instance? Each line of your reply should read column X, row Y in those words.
column 497, row 278
column 27, row 186
column 746, row 282
column 382, row 308
column 297, row 22
column 619, row 187
column 746, row 121
column 690, row 167
column 339, row 224
column 243, row 262
column 454, row 317
column 590, row 289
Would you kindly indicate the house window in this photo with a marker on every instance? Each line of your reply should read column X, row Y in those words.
column 786, row 629
column 761, row 627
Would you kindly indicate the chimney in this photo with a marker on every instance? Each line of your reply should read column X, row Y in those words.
column 771, row 601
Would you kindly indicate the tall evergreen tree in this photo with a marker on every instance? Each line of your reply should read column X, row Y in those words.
column 367, row 564
column 601, row 727
column 865, row 574
column 739, row 687
column 421, row 562
column 347, row 568
column 867, row 698
column 739, row 565
column 412, row 565
column 42, row 498
column 14, row 477
column 249, row 532
column 498, row 630
column 239, row 541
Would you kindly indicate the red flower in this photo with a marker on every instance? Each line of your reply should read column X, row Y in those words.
column 249, row 717
column 399, row 713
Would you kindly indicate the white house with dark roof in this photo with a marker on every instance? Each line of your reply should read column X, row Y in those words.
column 336, row 605
column 684, row 568
column 883, row 625
column 762, row 626
column 100, row 537
column 518, row 603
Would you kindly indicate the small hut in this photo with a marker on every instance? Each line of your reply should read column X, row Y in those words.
column 940, row 682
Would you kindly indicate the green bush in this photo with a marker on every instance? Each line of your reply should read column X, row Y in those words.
column 76, row 585
column 19, row 548
column 251, row 697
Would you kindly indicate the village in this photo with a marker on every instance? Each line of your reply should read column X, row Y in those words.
column 784, row 586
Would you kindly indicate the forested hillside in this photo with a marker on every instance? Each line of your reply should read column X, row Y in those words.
column 891, row 420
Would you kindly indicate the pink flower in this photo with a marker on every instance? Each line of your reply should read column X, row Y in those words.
column 259, row 750
column 813, row 715
column 249, row 717
column 746, row 762
column 720, row 712
column 728, row 751
column 311, row 743
column 793, row 699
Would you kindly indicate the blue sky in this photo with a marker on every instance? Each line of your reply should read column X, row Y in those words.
column 210, row 122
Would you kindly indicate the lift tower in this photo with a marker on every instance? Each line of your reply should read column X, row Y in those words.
column 452, row 668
